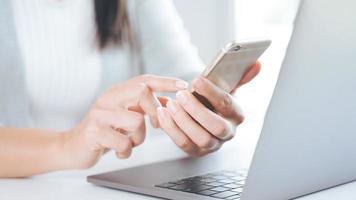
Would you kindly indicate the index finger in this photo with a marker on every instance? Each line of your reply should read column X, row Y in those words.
column 161, row 83
column 250, row 74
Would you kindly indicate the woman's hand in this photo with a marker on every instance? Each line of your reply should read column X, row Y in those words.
column 116, row 120
column 196, row 129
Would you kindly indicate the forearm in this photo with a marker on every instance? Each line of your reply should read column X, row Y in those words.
column 26, row 152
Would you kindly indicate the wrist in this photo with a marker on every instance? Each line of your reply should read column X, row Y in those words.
column 61, row 153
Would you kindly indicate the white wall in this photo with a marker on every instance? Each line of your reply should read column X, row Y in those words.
column 209, row 22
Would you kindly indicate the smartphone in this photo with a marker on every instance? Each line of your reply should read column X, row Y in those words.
column 231, row 63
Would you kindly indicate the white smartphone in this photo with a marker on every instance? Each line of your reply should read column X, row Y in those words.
column 231, row 63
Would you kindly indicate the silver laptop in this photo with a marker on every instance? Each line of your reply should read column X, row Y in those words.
column 308, row 142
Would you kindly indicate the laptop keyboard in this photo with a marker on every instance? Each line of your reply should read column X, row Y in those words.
column 222, row 185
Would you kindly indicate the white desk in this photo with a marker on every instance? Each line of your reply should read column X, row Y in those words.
column 73, row 185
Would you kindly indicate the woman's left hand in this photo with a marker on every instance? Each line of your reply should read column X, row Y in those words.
column 196, row 129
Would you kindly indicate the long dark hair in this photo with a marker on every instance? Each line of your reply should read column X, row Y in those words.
column 112, row 22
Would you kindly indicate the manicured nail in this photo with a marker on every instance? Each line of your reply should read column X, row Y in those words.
column 154, row 122
column 214, row 144
column 172, row 107
column 180, row 84
column 182, row 97
column 161, row 114
column 198, row 83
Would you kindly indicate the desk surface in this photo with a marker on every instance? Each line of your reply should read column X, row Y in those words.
column 73, row 185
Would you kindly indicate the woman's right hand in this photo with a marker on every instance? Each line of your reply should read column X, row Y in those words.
column 116, row 120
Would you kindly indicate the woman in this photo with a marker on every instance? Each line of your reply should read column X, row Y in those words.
column 73, row 67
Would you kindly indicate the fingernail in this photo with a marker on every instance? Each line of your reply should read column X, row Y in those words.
column 182, row 97
column 214, row 144
column 154, row 122
column 172, row 107
column 160, row 113
column 180, row 84
column 198, row 83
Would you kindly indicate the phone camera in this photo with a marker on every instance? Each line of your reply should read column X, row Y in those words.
column 237, row 48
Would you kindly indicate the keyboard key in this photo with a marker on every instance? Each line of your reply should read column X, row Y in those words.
column 197, row 188
column 239, row 178
column 220, row 189
column 242, row 182
column 223, row 195
column 206, row 192
column 196, row 182
column 215, row 184
column 226, row 181
column 208, row 180
column 232, row 185
column 219, row 177
column 238, row 190
column 235, row 197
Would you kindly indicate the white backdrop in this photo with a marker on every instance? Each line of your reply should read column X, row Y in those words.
column 209, row 22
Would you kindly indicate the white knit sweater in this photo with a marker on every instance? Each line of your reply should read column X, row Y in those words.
column 62, row 66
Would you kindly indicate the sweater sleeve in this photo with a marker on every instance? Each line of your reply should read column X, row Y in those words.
column 165, row 44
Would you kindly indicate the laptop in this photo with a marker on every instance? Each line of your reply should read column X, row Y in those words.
column 308, row 141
